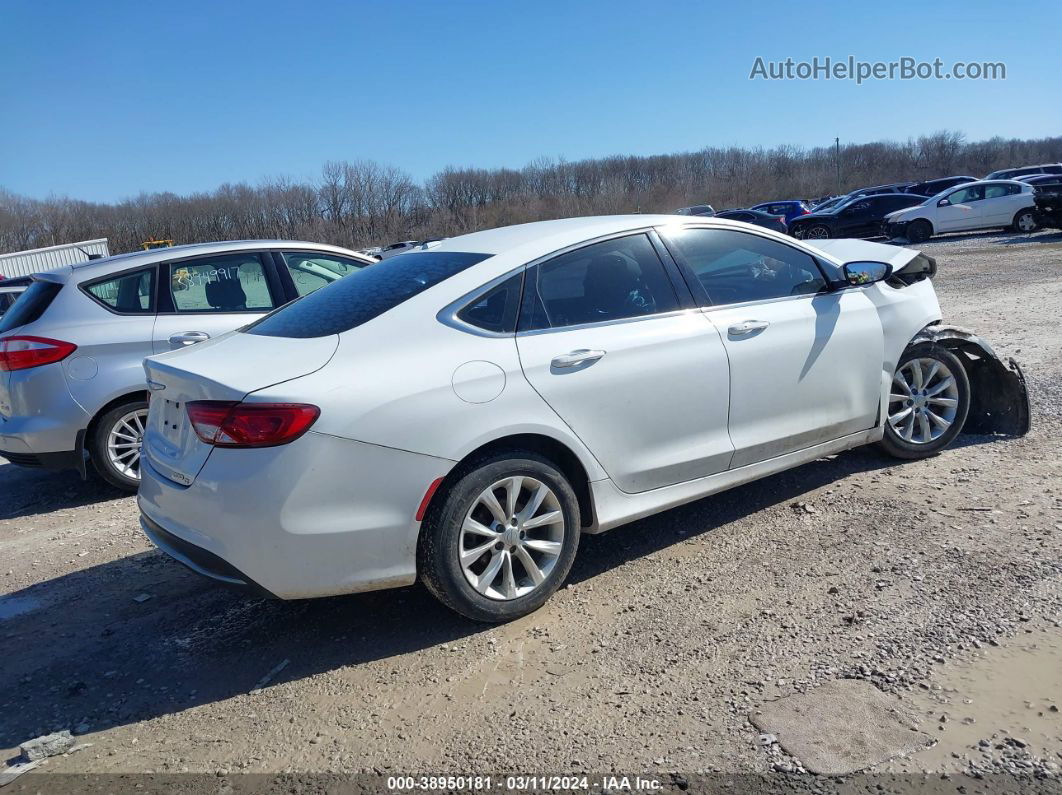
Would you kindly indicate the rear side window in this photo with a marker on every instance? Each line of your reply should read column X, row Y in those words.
column 611, row 280
column 312, row 270
column 128, row 294
column 363, row 295
column 30, row 306
column 497, row 308
column 226, row 283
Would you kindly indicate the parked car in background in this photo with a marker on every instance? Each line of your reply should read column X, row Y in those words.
column 931, row 187
column 894, row 187
column 830, row 203
column 451, row 415
column 755, row 217
column 988, row 204
column 395, row 249
column 10, row 290
column 1040, row 179
column 1048, row 199
column 1014, row 173
column 71, row 347
column 788, row 209
column 860, row 216
column 697, row 209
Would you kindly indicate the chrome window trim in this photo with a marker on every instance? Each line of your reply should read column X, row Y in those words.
column 603, row 323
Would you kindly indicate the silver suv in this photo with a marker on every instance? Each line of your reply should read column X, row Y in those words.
column 71, row 346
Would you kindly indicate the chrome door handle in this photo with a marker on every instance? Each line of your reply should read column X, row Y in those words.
column 747, row 327
column 188, row 338
column 575, row 358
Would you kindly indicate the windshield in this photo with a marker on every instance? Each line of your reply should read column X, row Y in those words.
column 363, row 295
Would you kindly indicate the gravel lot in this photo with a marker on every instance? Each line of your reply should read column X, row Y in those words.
column 938, row 581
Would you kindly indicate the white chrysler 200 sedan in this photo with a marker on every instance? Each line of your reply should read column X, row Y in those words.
column 461, row 415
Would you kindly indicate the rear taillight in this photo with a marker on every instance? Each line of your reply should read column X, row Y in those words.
column 226, row 424
column 21, row 353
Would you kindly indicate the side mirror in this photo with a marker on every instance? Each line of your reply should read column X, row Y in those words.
column 860, row 274
column 943, row 203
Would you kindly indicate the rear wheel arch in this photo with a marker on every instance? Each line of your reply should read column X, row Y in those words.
column 560, row 454
column 128, row 397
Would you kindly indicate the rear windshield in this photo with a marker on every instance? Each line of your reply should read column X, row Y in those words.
column 30, row 305
column 363, row 295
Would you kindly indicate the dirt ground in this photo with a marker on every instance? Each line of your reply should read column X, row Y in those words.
column 938, row 581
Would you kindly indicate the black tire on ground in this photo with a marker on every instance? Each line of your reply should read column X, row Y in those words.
column 1025, row 221
column 439, row 546
column 898, row 447
column 919, row 231
column 823, row 232
column 97, row 446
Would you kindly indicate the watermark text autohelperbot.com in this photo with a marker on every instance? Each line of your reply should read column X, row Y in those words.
column 851, row 68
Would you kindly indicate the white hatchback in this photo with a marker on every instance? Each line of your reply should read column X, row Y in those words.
column 463, row 414
column 987, row 204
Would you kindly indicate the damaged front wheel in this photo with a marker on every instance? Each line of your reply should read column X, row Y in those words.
column 928, row 402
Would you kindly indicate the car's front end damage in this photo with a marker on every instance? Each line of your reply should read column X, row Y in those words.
column 999, row 398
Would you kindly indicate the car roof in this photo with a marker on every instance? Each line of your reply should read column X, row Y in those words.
column 553, row 235
column 136, row 259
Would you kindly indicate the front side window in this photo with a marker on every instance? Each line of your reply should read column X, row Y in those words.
column 225, row 283
column 363, row 295
column 130, row 293
column 312, row 270
column 734, row 267
column 967, row 195
column 612, row 280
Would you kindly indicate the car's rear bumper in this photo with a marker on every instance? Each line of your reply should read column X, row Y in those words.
column 200, row 560
column 66, row 459
column 317, row 517
column 38, row 415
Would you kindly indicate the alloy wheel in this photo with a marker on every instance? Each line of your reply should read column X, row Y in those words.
column 124, row 443
column 817, row 233
column 1027, row 222
column 924, row 400
column 511, row 538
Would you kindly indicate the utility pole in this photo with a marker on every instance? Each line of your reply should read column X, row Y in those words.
column 837, row 161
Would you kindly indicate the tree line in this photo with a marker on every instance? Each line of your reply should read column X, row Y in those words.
column 362, row 203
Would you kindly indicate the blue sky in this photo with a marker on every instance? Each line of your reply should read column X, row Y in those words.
column 103, row 100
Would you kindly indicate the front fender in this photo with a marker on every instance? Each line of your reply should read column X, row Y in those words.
column 999, row 397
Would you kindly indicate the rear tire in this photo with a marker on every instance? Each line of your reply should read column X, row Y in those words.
column 115, row 445
column 919, row 231
column 928, row 402
column 1026, row 221
column 817, row 232
column 491, row 570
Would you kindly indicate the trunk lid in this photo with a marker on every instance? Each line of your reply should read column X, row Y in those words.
column 225, row 368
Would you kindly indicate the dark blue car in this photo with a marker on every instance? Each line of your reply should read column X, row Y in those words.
column 788, row 209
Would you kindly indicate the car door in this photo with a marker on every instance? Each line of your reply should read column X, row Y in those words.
column 805, row 359
column 641, row 379
column 960, row 209
column 854, row 220
column 203, row 297
column 1001, row 202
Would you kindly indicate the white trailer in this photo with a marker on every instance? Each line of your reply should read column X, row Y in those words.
column 40, row 260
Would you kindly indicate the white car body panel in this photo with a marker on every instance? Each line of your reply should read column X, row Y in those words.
column 676, row 406
column 674, row 410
